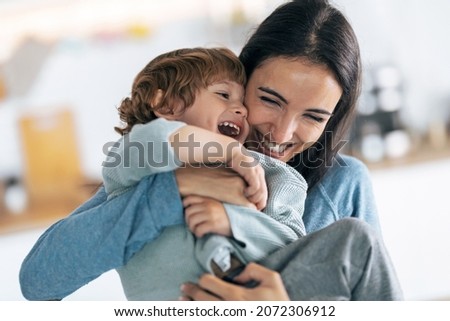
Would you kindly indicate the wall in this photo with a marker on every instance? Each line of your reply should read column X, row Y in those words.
column 415, row 219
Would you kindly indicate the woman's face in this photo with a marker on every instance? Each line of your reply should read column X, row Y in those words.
column 289, row 103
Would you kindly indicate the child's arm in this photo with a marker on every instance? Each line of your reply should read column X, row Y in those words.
column 196, row 145
column 144, row 151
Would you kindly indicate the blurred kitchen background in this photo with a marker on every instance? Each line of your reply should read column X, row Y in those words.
column 65, row 65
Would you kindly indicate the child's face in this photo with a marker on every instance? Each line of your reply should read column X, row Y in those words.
column 219, row 108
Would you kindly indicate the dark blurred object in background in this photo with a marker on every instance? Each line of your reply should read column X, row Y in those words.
column 378, row 132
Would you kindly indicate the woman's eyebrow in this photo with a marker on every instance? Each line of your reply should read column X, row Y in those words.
column 274, row 93
column 320, row 111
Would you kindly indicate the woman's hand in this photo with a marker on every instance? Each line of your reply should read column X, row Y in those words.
column 220, row 183
column 211, row 288
column 206, row 215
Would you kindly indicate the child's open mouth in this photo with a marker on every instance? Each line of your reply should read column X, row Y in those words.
column 230, row 129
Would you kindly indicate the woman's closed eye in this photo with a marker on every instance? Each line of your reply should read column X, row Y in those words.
column 315, row 118
column 270, row 101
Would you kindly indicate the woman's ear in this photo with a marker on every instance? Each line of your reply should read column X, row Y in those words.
column 173, row 115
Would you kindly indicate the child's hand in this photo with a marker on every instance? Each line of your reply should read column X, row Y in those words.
column 253, row 173
column 206, row 215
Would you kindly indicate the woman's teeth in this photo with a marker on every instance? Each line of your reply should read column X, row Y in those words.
column 274, row 147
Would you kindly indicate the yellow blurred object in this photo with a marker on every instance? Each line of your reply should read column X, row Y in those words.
column 3, row 91
column 238, row 18
column 53, row 173
column 2, row 199
column 139, row 31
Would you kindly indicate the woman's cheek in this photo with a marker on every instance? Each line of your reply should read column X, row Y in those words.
column 315, row 135
column 260, row 116
column 308, row 135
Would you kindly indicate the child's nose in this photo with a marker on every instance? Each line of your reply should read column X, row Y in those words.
column 240, row 110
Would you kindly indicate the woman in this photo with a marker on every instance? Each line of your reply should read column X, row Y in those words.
column 304, row 74
column 304, row 71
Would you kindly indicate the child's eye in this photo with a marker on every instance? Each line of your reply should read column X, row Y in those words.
column 223, row 95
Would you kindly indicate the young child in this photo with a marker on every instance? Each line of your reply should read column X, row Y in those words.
column 186, row 107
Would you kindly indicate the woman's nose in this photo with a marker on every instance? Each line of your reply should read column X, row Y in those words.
column 283, row 131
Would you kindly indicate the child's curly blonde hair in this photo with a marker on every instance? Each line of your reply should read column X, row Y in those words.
column 180, row 74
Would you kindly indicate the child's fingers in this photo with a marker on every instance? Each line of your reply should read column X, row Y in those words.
column 261, row 205
column 194, row 216
column 191, row 200
column 202, row 229
column 260, row 202
column 259, row 197
column 255, row 185
column 198, row 221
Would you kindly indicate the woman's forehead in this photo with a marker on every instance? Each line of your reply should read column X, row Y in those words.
column 289, row 67
column 286, row 74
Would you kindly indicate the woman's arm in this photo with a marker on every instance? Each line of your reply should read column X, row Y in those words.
column 99, row 236
column 345, row 191
column 218, row 182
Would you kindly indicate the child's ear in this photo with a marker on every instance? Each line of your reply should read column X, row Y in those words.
column 174, row 115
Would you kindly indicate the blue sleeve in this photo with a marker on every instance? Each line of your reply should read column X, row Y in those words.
column 99, row 236
column 345, row 191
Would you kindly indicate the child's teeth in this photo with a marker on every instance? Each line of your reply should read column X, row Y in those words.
column 234, row 126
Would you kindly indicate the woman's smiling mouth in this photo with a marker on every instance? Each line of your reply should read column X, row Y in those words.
column 264, row 145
